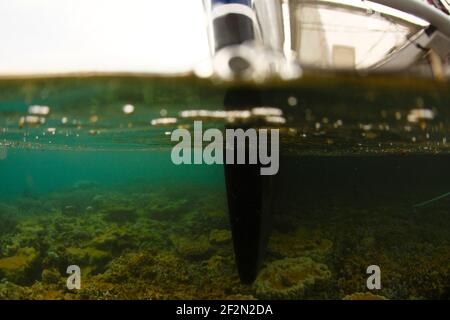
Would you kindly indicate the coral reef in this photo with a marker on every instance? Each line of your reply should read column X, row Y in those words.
column 165, row 208
column 156, row 243
column 154, row 250
column 120, row 214
column 300, row 242
column 11, row 291
column 290, row 278
column 197, row 248
column 18, row 268
column 219, row 237
column 51, row 276
column 89, row 258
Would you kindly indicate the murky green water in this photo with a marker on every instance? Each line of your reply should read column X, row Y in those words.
column 91, row 183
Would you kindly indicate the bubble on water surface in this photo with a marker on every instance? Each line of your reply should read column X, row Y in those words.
column 415, row 115
column 275, row 119
column 163, row 121
column 128, row 109
column 292, row 101
column 39, row 110
column 267, row 111
column 31, row 120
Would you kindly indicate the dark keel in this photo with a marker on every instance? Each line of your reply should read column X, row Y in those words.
column 249, row 199
column 249, row 211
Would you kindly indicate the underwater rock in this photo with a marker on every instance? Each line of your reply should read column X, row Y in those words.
column 368, row 243
column 428, row 270
column 8, row 222
column 217, row 267
column 218, row 237
column 213, row 212
column 99, row 200
column 166, row 209
column 29, row 234
column 192, row 248
column 63, row 224
column 143, row 275
column 215, row 264
column 51, row 276
column 7, row 210
column 299, row 243
column 220, row 278
column 87, row 255
column 77, row 235
column 51, row 260
column 290, row 278
column 115, row 240
column 7, row 225
column 364, row 296
column 20, row 267
column 72, row 202
column 11, row 291
column 45, row 291
column 30, row 205
column 221, row 241
column 105, row 200
column 220, row 274
column 70, row 210
column 214, row 219
column 120, row 214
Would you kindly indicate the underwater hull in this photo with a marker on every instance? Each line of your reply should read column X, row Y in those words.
column 233, row 23
column 249, row 197
column 249, row 207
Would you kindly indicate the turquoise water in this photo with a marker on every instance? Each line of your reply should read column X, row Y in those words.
column 92, row 185
column 41, row 171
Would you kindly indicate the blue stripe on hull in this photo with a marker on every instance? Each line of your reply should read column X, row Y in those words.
column 222, row 2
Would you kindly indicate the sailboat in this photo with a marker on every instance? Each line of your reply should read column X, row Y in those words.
column 378, row 35
column 258, row 39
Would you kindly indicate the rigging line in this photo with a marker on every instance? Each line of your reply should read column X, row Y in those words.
column 351, row 31
column 351, row 27
column 396, row 26
column 425, row 203
column 366, row 56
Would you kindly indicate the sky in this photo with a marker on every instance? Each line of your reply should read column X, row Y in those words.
column 58, row 36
